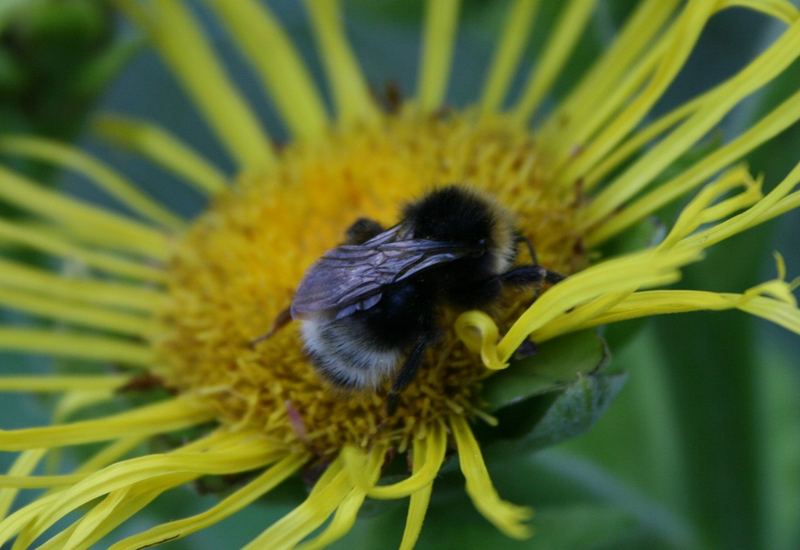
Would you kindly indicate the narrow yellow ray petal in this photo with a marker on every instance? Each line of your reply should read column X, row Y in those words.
column 163, row 148
column 110, row 453
column 25, row 463
column 434, row 447
column 640, row 28
column 760, row 212
column 418, row 506
column 350, row 92
column 517, row 27
column 26, row 535
column 780, row 313
column 580, row 113
column 77, row 313
column 128, row 234
column 767, row 66
column 115, row 510
column 707, row 202
column 22, row 518
column 570, row 143
column 704, row 208
column 769, row 126
column 161, row 417
column 640, row 270
column 666, row 302
column 282, row 71
column 479, row 333
column 175, row 32
column 143, row 474
column 138, row 498
column 234, row 502
column 346, row 513
column 581, row 314
column 106, row 455
column 76, row 346
column 98, row 515
column 671, row 55
column 441, row 26
column 645, row 269
column 570, row 26
column 95, row 171
column 638, row 140
column 31, row 519
column 507, row 517
column 329, row 491
column 151, row 469
column 37, row 482
column 787, row 204
column 56, row 384
column 53, row 244
column 108, row 293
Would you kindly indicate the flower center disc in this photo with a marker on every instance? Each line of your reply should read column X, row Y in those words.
column 237, row 267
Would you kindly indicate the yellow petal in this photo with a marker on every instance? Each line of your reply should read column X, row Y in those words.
column 429, row 454
column 441, row 25
column 163, row 148
column 507, row 517
column 231, row 504
column 151, row 419
column 282, row 71
column 350, row 92
column 175, row 32
column 97, row 172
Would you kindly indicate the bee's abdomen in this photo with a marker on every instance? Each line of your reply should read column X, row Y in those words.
column 346, row 355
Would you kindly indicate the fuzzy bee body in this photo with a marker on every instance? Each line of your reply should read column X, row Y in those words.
column 369, row 308
column 345, row 354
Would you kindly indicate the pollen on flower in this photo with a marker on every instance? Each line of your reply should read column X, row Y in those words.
column 238, row 266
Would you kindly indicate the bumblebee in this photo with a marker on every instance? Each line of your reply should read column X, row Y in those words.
column 370, row 307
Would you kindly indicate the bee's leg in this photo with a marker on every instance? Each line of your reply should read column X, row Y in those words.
column 281, row 320
column 530, row 275
column 519, row 238
column 527, row 348
column 406, row 373
column 527, row 275
column 362, row 230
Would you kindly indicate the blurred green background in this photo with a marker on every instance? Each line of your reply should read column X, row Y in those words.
column 702, row 446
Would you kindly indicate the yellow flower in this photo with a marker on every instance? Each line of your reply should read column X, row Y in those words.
column 177, row 303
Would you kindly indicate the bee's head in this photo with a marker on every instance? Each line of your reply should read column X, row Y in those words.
column 453, row 214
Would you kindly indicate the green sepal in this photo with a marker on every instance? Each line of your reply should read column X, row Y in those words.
column 555, row 366
column 558, row 393
column 552, row 418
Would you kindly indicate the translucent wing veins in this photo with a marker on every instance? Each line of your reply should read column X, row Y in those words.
column 351, row 278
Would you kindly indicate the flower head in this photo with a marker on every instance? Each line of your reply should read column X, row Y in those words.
column 178, row 303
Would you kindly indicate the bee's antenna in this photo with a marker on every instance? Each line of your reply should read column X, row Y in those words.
column 283, row 318
column 520, row 238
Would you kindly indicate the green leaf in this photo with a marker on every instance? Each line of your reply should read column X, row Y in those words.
column 579, row 526
column 556, row 365
column 715, row 369
column 550, row 419
column 779, row 389
column 556, row 394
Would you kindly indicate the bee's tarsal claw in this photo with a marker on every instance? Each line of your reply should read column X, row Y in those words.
column 526, row 349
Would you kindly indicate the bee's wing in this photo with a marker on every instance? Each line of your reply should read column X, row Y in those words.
column 352, row 278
